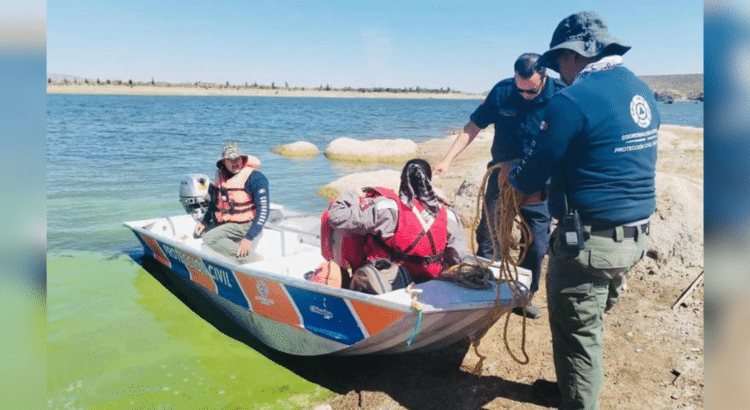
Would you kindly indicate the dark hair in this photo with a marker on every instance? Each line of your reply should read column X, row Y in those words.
column 526, row 65
column 415, row 183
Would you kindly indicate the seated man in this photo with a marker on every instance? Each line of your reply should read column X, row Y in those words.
column 411, row 227
column 239, row 205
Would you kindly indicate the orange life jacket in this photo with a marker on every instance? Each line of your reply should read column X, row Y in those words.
column 233, row 203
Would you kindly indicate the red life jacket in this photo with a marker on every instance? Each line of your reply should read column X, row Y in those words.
column 419, row 242
column 233, row 203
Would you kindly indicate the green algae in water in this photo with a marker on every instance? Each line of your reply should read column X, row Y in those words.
column 116, row 338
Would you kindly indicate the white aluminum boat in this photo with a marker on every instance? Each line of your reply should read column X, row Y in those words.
column 271, row 299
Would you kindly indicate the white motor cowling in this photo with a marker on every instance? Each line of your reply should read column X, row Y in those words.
column 194, row 194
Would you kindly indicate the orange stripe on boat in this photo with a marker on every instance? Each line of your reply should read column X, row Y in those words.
column 269, row 299
column 375, row 318
column 158, row 254
column 202, row 279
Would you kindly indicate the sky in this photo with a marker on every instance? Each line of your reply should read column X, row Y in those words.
column 464, row 45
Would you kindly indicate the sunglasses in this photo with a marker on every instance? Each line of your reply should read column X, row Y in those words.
column 531, row 91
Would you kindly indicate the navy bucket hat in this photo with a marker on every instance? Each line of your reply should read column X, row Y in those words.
column 587, row 34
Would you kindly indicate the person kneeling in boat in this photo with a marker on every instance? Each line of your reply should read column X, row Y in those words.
column 412, row 227
column 239, row 205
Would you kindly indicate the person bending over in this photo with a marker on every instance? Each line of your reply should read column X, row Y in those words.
column 411, row 227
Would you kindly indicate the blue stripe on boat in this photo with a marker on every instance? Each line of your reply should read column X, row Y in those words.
column 226, row 283
column 174, row 256
column 326, row 315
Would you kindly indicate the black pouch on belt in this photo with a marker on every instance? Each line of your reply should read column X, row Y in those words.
column 573, row 231
column 572, row 228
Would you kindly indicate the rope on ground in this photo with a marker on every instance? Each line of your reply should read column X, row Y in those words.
column 506, row 216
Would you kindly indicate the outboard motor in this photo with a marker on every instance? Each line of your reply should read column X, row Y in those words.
column 194, row 195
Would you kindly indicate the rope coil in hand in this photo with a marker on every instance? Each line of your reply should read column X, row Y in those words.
column 506, row 217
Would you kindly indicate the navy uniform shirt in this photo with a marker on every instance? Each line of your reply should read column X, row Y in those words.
column 598, row 142
column 514, row 117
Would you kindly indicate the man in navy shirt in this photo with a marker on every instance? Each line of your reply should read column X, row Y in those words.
column 514, row 106
column 598, row 143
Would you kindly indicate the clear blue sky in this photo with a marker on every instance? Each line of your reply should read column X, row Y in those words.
column 465, row 45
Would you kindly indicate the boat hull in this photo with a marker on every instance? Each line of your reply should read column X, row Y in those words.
column 272, row 301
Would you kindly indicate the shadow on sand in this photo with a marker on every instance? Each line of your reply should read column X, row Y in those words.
column 430, row 380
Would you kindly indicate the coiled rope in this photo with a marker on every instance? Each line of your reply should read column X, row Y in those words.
column 478, row 276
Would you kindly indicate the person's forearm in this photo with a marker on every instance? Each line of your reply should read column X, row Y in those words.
column 259, row 220
column 257, row 187
column 464, row 138
column 378, row 218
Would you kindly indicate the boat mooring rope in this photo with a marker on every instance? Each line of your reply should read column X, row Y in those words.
column 416, row 305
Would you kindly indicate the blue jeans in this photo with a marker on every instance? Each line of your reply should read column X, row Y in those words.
column 536, row 216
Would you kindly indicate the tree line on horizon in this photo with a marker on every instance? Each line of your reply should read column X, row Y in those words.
column 666, row 88
column 68, row 80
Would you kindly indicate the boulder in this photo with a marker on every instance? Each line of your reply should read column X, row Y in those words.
column 696, row 96
column 387, row 178
column 379, row 150
column 297, row 149
column 668, row 96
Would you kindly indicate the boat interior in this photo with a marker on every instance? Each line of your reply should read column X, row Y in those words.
column 289, row 244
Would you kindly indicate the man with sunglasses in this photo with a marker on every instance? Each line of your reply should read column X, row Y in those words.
column 514, row 106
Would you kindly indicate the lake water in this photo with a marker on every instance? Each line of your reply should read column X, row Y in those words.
column 116, row 338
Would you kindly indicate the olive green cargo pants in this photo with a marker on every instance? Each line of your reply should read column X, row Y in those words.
column 225, row 239
column 580, row 288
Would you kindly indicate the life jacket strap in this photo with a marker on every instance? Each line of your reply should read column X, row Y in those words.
column 396, row 255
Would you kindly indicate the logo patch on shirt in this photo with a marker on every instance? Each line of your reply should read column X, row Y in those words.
column 514, row 170
column 640, row 111
column 262, row 191
column 543, row 126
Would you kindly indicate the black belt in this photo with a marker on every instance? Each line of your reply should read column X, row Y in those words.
column 627, row 231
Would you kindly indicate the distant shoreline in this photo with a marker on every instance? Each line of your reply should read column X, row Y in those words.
column 241, row 91
column 667, row 88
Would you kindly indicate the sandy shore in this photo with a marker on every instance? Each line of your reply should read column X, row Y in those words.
column 648, row 337
column 240, row 91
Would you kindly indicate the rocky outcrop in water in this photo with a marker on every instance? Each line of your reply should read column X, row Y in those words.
column 379, row 150
column 297, row 149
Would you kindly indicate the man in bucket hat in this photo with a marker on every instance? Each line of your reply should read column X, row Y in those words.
column 239, row 205
column 598, row 143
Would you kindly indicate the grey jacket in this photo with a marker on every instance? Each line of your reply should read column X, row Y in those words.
column 382, row 219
